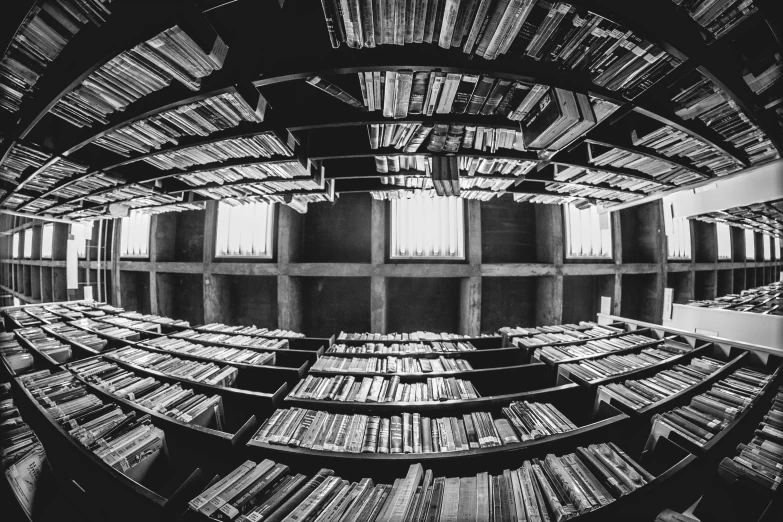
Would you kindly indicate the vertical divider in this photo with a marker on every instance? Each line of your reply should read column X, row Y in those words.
column 377, row 259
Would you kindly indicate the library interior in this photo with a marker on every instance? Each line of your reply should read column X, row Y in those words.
column 391, row 261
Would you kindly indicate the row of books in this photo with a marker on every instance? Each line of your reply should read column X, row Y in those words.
column 587, row 328
column 554, row 488
column 42, row 314
column 23, row 318
column 46, row 344
column 227, row 338
column 710, row 412
column 249, row 173
column 106, row 330
column 570, row 37
column 411, row 432
column 147, row 68
column 696, row 96
column 16, row 357
column 19, row 158
column 66, row 314
column 264, row 145
column 39, row 40
column 612, row 365
column 589, row 176
column 22, row 456
column 86, row 185
column 468, row 166
column 425, row 347
column 201, row 118
column 77, row 335
column 477, row 194
column 671, row 142
column 594, row 348
column 264, row 189
column 54, row 173
column 399, row 336
column 761, row 300
column 248, row 330
column 720, row 16
column 347, row 388
column 133, row 324
column 249, row 356
column 761, row 460
column 390, row 365
column 465, row 186
column 122, row 440
column 197, row 371
column 157, row 319
column 594, row 193
column 542, row 335
column 660, row 171
column 637, row 394
column 172, row 400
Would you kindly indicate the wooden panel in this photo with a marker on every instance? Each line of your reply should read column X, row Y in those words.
column 181, row 296
column 640, row 297
column 550, row 242
column 338, row 232
column 46, row 284
column 180, row 236
column 423, row 304
column 135, row 291
column 470, row 306
column 58, row 285
column 725, row 282
column 682, row 284
column 705, row 241
column 508, row 301
column 335, row 303
column 582, row 296
column 251, row 300
column 738, row 280
column 642, row 233
column 508, row 231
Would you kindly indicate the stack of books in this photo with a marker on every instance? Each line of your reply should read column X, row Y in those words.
column 569, row 37
column 19, row 158
column 86, row 185
column 53, row 174
column 23, row 318
column 390, row 365
column 201, row 118
column 216, row 353
column 45, row 344
column 546, row 199
column 403, row 348
column 263, row 145
column 590, row 348
column 157, row 319
column 600, row 194
column 172, row 400
column 718, row 17
column 18, row 358
column 42, row 314
column 646, row 392
column 196, row 371
column 250, row 173
column 468, row 166
column 765, row 300
column 660, row 171
column 583, row 330
column 125, row 322
column 122, row 440
column 761, row 460
column 412, row 336
column 249, row 330
column 106, row 330
column 39, row 40
column 411, row 432
column 469, row 188
column 133, row 74
column 553, row 488
column 23, row 456
column 613, row 365
column 710, row 412
column 238, row 340
column 696, row 96
column 78, row 335
column 344, row 388
column 590, row 176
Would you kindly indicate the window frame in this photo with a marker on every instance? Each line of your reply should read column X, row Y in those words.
column 83, row 254
column 767, row 247
column 125, row 255
column 718, row 228
column 16, row 241
column 272, row 217
column 567, row 237
column 392, row 236
column 44, row 228
column 27, row 245
column 750, row 254
column 688, row 245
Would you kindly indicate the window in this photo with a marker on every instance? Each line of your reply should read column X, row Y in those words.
column 78, row 233
column 15, row 246
column 767, row 247
column 750, row 245
column 245, row 230
column 47, row 236
column 431, row 228
column 724, row 241
column 679, row 242
column 28, row 243
column 777, row 248
column 135, row 235
column 586, row 234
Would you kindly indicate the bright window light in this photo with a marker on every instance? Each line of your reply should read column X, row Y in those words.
column 28, row 243
column 79, row 235
column 135, row 235
column 585, row 237
column 724, row 241
column 679, row 243
column 15, row 246
column 777, row 248
column 767, row 247
column 47, row 236
column 424, row 227
column 245, row 230
column 750, row 244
